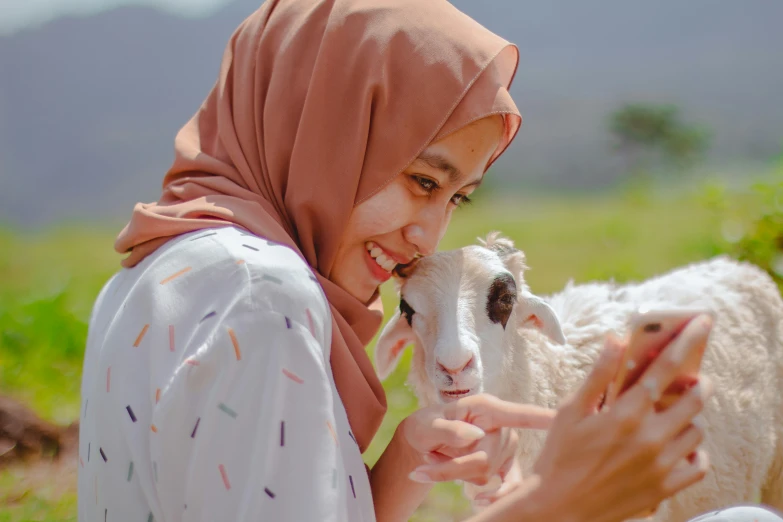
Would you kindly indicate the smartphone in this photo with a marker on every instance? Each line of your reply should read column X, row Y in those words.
column 650, row 331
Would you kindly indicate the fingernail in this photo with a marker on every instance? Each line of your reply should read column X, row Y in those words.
column 472, row 433
column 704, row 387
column 420, row 476
column 705, row 323
column 613, row 343
column 484, row 502
column 651, row 385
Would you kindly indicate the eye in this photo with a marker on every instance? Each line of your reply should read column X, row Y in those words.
column 428, row 185
column 461, row 200
column 406, row 311
column 501, row 299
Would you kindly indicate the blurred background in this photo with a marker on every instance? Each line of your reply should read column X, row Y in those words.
column 652, row 137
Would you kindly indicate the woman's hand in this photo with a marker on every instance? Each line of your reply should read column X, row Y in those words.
column 468, row 439
column 614, row 464
column 471, row 439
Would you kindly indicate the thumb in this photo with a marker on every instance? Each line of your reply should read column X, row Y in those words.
column 599, row 379
column 452, row 433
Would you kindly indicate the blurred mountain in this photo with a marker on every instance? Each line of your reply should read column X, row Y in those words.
column 89, row 106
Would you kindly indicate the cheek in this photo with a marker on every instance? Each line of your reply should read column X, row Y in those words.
column 423, row 356
column 419, row 375
column 491, row 350
column 385, row 212
column 445, row 225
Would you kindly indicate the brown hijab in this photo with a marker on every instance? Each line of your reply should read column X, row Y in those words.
column 318, row 105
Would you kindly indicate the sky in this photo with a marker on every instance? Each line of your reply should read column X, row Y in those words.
column 18, row 14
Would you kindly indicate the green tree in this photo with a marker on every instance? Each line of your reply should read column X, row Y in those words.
column 650, row 134
column 752, row 220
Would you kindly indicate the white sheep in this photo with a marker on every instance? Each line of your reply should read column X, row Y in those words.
column 476, row 327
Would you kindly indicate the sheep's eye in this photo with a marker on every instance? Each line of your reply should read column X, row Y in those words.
column 501, row 298
column 407, row 311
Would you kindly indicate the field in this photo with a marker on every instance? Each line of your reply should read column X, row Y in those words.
column 49, row 279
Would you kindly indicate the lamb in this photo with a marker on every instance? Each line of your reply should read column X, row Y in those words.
column 476, row 327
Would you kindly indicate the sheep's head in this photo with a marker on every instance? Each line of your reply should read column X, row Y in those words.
column 459, row 308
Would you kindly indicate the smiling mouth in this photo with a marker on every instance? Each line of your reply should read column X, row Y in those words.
column 451, row 395
column 380, row 257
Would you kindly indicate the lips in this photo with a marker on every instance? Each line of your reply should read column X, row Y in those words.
column 378, row 272
column 376, row 250
column 383, row 262
column 380, row 256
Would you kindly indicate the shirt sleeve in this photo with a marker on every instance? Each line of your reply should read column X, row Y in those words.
column 249, row 421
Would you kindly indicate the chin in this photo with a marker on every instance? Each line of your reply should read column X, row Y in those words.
column 369, row 290
column 365, row 296
column 363, row 291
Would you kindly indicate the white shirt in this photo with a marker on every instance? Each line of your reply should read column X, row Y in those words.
column 207, row 393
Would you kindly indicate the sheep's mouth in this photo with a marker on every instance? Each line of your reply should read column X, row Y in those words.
column 453, row 395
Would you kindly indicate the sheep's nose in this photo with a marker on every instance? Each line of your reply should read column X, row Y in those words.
column 457, row 368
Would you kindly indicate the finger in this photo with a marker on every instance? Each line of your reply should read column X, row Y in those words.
column 491, row 413
column 509, row 468
column 680, row 415
column 469, row 468
column 682, row 477
column 668, row 365
column 646, row 515
column 453, row 434
column 612, row 389
column 434, row 457
column 511, row 480
column 589, row 395
column 515, row 415
column 682, row 447
column 509, row 451
column 499, row 444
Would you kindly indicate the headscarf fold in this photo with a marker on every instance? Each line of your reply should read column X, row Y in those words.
column 318, row 105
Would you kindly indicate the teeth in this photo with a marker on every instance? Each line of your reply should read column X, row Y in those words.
column 386, row 263
column 382, row 259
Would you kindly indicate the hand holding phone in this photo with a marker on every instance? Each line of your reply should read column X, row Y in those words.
column 650, row 332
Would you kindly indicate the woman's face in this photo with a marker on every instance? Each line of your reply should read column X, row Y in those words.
column 411, row 213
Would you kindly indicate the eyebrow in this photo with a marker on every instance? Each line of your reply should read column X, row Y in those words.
column 439, row 162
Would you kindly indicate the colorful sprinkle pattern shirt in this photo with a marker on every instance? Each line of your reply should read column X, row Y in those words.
column 207, row 393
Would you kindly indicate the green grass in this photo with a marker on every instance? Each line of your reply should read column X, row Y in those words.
column 22, row 499
column 48, row 281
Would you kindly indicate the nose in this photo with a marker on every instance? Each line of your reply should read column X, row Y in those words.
column 454, row 369
column 426, row 232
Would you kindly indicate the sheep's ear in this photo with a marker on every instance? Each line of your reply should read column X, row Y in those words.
column 537, row 313
column 396, row 335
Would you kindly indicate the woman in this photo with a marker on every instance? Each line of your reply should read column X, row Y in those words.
column 225, row 376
